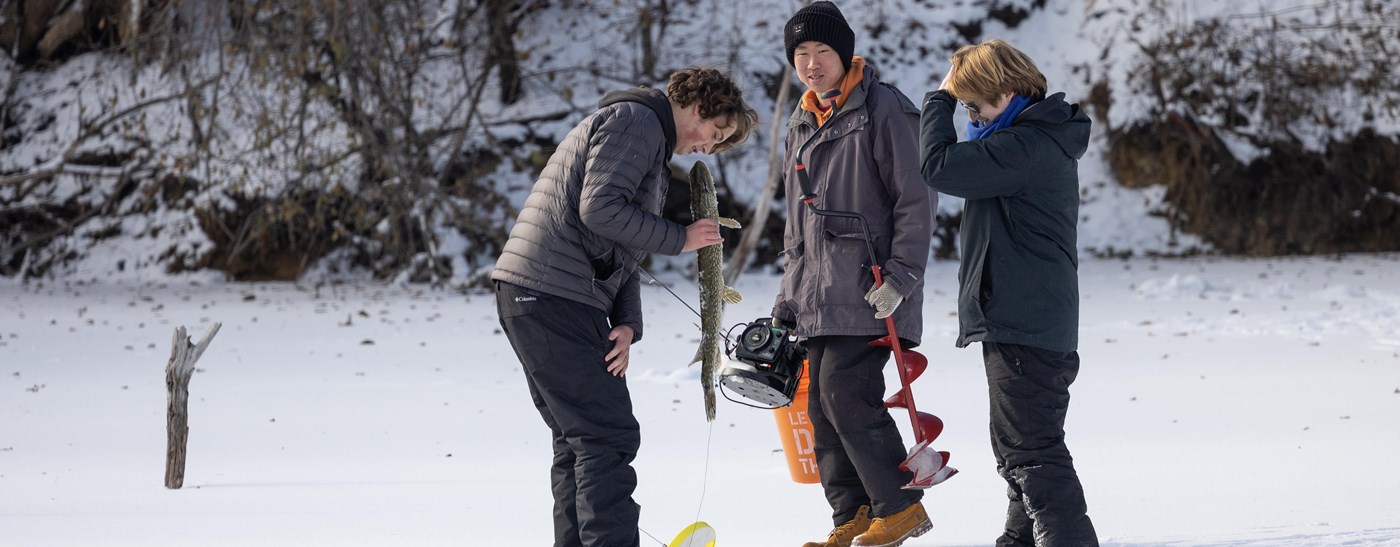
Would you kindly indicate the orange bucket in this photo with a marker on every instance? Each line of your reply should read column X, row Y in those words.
column 795, row 430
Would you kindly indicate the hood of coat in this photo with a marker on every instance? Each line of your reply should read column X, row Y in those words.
column 1065, row 123
column 651, row 98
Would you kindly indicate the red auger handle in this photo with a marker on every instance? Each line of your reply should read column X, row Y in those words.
column 899, row 363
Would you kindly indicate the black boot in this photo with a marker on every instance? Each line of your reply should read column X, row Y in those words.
column 1053, row 499
column 1019, row 527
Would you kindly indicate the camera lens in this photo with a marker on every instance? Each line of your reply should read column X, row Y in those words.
column 756, row 337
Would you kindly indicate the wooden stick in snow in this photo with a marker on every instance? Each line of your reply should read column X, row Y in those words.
column 183, row 354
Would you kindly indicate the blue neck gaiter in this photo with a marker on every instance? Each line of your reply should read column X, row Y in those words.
column 977, row 130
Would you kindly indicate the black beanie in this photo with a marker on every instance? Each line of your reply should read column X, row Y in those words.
column 820, row 22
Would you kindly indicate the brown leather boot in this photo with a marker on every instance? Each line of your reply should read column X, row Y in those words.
column 891, row 531
column 842, row 535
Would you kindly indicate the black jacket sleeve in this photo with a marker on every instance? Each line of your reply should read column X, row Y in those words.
column 994, row 166
column 627, row 308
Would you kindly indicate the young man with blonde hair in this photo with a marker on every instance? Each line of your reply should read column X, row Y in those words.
column 865, row 161
column 1019, row 286
column 568, row 291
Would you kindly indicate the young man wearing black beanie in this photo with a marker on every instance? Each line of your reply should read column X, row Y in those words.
column 866, row 161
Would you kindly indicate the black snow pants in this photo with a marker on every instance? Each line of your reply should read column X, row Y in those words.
column 1029, row 389
column 857, row 446
column 561, row 345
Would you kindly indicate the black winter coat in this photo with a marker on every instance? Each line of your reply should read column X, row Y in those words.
column 1018, row 277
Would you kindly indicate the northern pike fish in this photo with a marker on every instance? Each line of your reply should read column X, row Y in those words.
column 713, row 293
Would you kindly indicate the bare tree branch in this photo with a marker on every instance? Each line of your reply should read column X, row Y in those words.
column 92, row 129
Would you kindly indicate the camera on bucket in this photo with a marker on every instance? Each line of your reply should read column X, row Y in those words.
column 769, row 364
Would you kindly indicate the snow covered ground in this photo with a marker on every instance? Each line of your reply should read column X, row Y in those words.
column 1221, row 402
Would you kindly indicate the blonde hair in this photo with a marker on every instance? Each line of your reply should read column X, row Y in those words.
column 992, row 68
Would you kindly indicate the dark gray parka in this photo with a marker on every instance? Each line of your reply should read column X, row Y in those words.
column 866, row 162
column 593, row 213
column 1018, row 279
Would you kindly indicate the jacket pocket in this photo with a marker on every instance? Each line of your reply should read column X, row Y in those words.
column 846, row 125
column 601, row 257
column 792, row 274
column 976, row 290
column 606, row 289
column 828, row 148
column 846, row 271
column 846, row 236
column 601, row 327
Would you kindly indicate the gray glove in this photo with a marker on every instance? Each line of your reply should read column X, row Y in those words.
column 884, row 299
column 780, row 324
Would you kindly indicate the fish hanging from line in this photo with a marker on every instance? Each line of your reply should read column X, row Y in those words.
column 713, row 293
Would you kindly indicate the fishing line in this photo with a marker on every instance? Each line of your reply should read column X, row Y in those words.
column 653, row 538
column 704, row 479
column 709, row 437
column 704, row 487
column 705, row 475
column 668, row 289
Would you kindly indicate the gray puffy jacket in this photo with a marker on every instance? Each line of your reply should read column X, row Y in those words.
column 866, row 162
column 593, row 213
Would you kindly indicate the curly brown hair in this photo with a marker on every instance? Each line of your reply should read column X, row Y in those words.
column 718, row 96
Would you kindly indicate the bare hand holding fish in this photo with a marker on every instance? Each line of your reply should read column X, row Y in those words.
column 703, row 233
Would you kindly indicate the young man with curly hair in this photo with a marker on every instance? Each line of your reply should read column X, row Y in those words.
column 568, row 291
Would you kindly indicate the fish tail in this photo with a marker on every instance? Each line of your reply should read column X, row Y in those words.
column 709, row 403
column 707, row 381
